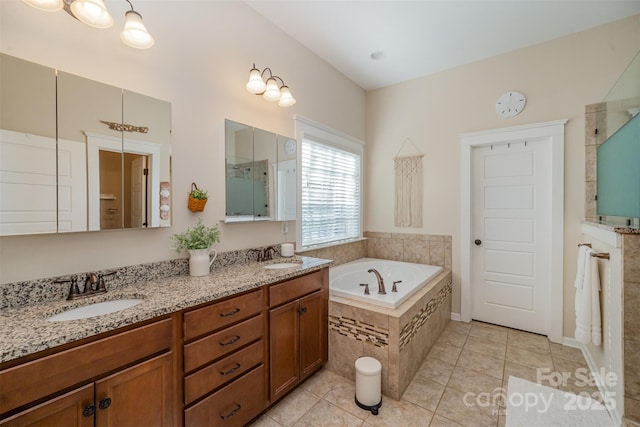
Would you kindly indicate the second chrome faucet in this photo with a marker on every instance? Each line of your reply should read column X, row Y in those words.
column 381, row 289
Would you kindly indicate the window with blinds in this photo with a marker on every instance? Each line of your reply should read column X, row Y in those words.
column 330, row 194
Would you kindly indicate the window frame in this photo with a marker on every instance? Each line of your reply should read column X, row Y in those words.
column 321, row 134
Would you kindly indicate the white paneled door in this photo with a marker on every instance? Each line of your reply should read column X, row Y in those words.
column 511, row 232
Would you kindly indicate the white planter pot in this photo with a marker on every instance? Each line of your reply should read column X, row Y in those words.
column 200, row 261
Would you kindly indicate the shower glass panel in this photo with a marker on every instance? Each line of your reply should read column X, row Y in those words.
column 619, row 173
column 618, row 151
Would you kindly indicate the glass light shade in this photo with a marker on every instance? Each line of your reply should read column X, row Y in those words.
column 92, row 12
column 286, row 99
column 134, row 33
column 255, row 84
column 45, row 5
column 272, row 92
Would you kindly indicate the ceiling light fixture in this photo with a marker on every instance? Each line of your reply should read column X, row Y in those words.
column 270, row 90
column 95, row 14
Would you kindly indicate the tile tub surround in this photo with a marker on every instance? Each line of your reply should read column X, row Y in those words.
column 419, row 248
column 429, row 249
column 26, row 331
column 341, row 253
column 34, row 292
column 399, row 339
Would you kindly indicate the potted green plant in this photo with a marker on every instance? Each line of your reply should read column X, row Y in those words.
column 197, row 198
column 197, row 241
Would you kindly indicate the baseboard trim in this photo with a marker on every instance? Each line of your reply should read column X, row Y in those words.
column 616, row 415
column 455, row 316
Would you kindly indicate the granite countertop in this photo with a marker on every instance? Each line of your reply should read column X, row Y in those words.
column 25, row 330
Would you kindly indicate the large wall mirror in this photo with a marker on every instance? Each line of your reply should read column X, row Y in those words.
column 94, row 157
column 260, row 174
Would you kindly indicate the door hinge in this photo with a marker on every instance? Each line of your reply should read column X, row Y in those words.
column 596, row 131
column 145, row 172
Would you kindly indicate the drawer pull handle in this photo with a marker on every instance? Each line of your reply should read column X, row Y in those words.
column 232, row 413
column 231, row 341
column 231, row 313
column 89, row 410
column 302, row 310
column 232, row 370
column 105, row 403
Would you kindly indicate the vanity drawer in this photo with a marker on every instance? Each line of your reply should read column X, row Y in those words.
column 295, row 288
column 223, row 371
column 233, row 405
column 215, row 316
column 224, row 342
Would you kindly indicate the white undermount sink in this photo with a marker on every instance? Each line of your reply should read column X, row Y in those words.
column 94, row 310
column 282, row 265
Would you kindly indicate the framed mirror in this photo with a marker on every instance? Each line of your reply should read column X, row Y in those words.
column 286, row 172
column 256, row 175
column 90, row 187
column 146, row 162
column 108, row 165
column 28, row 170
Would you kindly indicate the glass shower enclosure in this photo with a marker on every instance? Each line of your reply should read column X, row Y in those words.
column 618, row 157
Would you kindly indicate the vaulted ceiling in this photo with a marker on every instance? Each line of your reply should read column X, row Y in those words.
column 383, row 42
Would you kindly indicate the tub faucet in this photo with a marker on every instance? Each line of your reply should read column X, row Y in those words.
column 381, row 289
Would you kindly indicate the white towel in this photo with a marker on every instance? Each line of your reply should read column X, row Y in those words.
column 582, row 262
column 588, row 319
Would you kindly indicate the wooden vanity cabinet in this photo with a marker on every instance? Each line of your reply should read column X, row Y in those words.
column 298, row 328
column 220, row 364
column 224, row 361
column 118, row 382
column 66, row 410
column 138, row 396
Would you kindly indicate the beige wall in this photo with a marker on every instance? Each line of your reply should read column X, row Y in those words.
column 559, row 78
column 200, row 64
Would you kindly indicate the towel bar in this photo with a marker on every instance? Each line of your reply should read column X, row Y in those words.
column 603, row 255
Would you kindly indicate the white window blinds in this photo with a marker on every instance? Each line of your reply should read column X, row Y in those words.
column 330, row 194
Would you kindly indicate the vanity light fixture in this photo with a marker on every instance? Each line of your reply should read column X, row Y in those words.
column 270, row 90
column 92, row 12
column 95, row 14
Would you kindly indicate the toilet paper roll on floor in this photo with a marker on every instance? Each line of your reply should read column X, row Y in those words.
column 286, row 249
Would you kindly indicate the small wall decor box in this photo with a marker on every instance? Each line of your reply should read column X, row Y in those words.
column 197, row 198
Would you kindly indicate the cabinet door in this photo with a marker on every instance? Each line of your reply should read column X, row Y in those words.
column 64, row 411
column 284, row 350
column 312, row 327
column 138, row 396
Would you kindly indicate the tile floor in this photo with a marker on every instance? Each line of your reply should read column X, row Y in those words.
column 470, row 362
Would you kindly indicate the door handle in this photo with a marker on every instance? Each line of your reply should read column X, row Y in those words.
column 478, row 242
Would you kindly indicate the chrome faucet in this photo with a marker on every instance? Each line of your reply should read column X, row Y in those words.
column 264, row 254
column 268, row 253
column 93, row 284
column 381, row 289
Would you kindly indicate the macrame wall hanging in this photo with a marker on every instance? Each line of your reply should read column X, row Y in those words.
column 408, row 189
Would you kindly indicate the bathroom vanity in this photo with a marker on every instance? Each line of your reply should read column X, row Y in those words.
column 209, row 350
